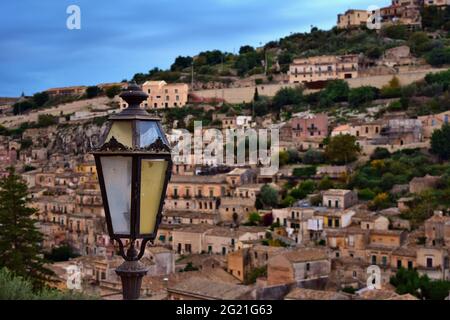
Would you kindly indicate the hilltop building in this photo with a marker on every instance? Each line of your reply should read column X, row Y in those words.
column 324, row 68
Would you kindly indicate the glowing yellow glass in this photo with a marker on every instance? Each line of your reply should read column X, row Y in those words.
column 122, row 131
column 152, row 182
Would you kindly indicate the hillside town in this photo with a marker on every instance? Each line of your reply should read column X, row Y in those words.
column 361, row 182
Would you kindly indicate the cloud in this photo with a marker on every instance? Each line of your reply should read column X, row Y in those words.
column 118, row 39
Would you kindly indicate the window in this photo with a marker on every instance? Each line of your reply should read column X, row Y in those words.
column 308, row 267
column 330, row 222
column 399, row 264
column 209, row 249
column 188, row 247
column 429, row 262
column 374, row 259
column 336, row 223
column 410, row 265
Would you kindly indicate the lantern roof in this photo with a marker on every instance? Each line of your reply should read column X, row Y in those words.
column 133, row 96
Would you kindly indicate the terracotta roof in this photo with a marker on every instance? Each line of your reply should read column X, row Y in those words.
column 308, row 294
column 405, row 251
column 207, row 289
column 336, row 192
column 343, row 127
column 305, row 254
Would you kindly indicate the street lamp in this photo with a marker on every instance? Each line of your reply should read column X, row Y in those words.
column 134, row 166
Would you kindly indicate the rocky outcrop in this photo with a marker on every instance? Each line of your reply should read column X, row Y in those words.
column 77, row 139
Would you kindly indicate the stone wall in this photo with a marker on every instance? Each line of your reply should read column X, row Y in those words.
column 245, row 94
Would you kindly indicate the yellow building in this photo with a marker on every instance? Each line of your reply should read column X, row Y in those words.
column 86, row 168
column 353, row 19
column 162, row 95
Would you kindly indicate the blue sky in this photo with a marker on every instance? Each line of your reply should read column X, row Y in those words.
column 120, row 38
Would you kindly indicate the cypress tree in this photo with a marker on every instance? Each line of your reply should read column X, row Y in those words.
column 20, row 240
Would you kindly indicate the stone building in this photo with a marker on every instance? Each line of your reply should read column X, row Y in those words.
column 324, row 68
column 339, row 198
column 437, row 230
column 297, row 266
column 353, row 19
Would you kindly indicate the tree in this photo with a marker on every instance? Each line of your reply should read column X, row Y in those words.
column 13, row 287
column 181, row 63
column 254, row 219
column 361, row 96
column 287, row 96
column 342, row 149
column 380, row 202
column 261, row 107
column 313, row 157
column 410, row 281
column 256, row 95
column 40, row 98
column 23, row 106
column 380, row 153
column 285, row 58
column 374, row 52
column 283, row 158
column 325, row 184
column 246, row 49
column 20, row 240
column 438, row 57
column 440, row 142
column 92, row 92
column 395, row 32
column 420, row 43
column 46, row 120
column 335, row 91
column 268, row 196
column 113, row 91
column 305, row 188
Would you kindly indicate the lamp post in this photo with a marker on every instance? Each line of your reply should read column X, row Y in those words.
column 134, row 166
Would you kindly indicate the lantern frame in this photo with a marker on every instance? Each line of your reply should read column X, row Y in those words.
column 158, row 150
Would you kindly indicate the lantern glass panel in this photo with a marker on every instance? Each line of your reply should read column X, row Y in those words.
column 117, row 178
column 148, row 132
column 122, row 132
column 152, row 184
